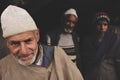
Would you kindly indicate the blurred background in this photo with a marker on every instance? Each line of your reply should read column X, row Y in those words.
column 47, row 13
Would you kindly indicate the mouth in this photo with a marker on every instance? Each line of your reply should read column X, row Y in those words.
column 26, row 57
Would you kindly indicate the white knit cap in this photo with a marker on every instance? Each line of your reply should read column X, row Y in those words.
column 71, row 11
column 15, row 20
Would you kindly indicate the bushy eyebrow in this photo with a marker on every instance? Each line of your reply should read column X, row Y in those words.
column 14, row 42
column 17, row 42
column 27, row 40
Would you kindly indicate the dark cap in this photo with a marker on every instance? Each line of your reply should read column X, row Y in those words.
column 102, row 15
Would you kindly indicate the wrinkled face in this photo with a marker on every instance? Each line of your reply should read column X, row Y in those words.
column 102, row 26
column 24, row 46
column 70, row 22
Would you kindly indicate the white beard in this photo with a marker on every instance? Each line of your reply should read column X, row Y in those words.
column 67, row 30
column 28, row 62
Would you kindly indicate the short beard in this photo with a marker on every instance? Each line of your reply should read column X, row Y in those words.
column 68, row 30
column 29, row 62
column 26, row 63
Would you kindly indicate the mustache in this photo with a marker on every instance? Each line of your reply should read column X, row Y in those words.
column 19, row 55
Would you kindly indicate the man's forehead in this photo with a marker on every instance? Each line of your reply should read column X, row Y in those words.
column 21, row 36
column 102, row 22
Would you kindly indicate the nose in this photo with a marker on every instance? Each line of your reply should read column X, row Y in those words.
column 101, row 26
column 23, row 48
column 71, row 24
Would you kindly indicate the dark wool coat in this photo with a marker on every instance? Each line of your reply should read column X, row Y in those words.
column 55, row 36
column 98, row 58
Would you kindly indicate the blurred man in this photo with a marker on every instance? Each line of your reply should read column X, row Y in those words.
column 66, row 37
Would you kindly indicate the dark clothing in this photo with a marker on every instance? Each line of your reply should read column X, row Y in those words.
column 55, row 36
column 117, row 57
column 98, row 57
column 3, row 47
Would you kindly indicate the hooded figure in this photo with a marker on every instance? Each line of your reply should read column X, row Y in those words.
column 98, row 51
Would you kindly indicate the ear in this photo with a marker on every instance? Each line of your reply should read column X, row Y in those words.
column 7, row 44
column 37, row 35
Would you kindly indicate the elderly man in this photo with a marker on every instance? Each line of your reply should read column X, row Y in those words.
column 28, row 59
column 66, row 37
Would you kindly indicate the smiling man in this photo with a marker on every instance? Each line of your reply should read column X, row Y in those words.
column 66, row 36
column 28, row 59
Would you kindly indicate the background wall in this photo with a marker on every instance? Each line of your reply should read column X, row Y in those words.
column 47, row 13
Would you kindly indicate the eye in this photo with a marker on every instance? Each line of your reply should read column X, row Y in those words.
column 14, row 43
column 70, row 21
column 105, row 24
column 28, row 41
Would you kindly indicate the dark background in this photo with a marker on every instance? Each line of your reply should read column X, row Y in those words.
column 47, row 13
